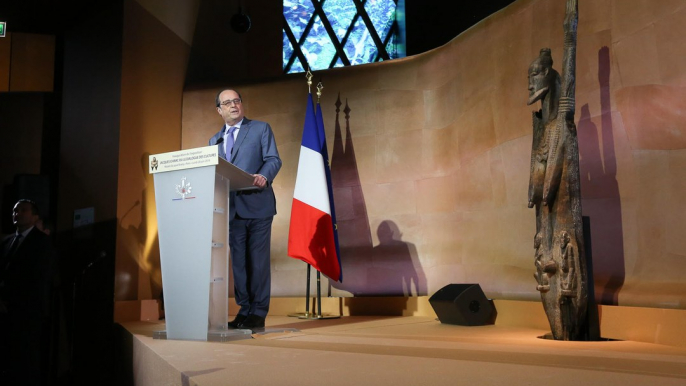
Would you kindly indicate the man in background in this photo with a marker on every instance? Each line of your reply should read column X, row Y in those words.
column 27, row 268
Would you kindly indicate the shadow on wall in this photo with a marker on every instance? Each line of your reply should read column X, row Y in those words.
column 354, row 233
column 601, row 191
column 391, row 268
column 395, row 268
column 141, row 249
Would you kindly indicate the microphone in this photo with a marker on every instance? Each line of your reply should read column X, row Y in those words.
column 220, row 140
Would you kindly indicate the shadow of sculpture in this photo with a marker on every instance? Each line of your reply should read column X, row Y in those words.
column 598, row 166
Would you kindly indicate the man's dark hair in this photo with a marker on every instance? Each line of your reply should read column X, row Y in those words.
column 34, row 207
column 216, row 99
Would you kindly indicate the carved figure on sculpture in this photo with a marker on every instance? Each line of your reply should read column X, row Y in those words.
column 539, row 275
column 555, row 191
column 568, row 275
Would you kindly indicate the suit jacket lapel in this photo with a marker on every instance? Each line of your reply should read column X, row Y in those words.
column 4, row 253
column 242, row 133
column 222, row 150
column 21, row 250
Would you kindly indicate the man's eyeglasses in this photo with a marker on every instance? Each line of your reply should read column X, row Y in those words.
column 236, row 101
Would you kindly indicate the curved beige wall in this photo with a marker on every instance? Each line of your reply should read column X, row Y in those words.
column 435, row 191
column 151, row 96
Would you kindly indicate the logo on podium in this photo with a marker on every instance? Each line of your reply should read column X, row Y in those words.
column 184, row 189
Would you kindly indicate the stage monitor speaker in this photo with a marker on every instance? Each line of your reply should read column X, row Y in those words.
column 463, row 304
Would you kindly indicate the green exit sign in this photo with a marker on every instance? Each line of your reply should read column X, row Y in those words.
column 2, row 29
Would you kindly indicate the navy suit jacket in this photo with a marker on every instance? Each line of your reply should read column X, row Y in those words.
column 255, row 152
column 27, row 280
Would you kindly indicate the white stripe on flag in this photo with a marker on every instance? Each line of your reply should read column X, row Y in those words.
column 310, row 183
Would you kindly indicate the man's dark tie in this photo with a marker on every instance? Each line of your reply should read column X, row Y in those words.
column 229, row 142
column 15, row 244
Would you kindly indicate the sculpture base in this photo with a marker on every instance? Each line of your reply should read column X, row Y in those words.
column 549, row 336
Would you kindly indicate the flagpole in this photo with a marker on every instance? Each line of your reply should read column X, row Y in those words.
column 319, row 314
column 306, row 314
column 307, row 292
column 319, row 295
column 314, row 139
column 319, row 274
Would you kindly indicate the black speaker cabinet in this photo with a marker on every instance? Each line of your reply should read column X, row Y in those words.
column 463, row 304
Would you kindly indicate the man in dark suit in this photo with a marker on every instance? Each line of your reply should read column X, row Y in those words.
column 249, row 145
column 27, row 267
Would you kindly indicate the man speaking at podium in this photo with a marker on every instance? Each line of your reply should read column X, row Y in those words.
column 249, row 145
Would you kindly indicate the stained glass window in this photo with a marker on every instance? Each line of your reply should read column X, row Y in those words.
column 335, row 33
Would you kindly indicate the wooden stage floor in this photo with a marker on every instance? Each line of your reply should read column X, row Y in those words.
column 400, row 350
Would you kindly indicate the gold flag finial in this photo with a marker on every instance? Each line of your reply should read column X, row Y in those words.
column 308, row 75
column 320, row 87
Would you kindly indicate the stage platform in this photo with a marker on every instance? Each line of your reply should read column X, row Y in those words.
column 394, row 350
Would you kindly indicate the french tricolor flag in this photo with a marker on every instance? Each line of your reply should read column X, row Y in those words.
column 311, row 237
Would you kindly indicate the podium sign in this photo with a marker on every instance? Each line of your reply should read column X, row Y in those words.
column 192, row 200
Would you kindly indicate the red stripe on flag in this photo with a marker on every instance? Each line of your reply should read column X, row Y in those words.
column 311, row 239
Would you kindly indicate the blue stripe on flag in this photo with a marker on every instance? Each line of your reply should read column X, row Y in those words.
column 329, row 182
column 310, row 133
